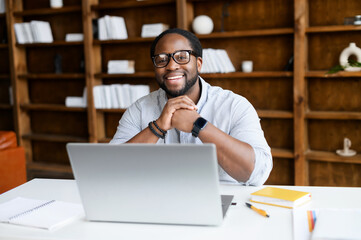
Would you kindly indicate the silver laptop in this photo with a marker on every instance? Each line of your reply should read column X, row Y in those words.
column 147, row 183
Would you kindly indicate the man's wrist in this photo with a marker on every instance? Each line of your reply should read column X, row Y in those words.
column 198, row 125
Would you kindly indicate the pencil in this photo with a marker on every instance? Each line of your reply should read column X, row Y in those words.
column 257, row 210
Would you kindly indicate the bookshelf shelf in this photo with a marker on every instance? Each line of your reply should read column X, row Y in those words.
column 48, row 11
column 123, row 41
column 3, row 45
column 339, row 115
column 323, row 74
column 71, row 76
column 54, row 138
column 282, row 153
column 134, row 75
column 332, row 157
column 49, row 167
column 111, row 110
column 4, row 76
column 51, row 107
column 336, row 28
column 256, row 74
column 4, row 106
column 274, row 114
column 130, row 4
column 53, row 44
column 248, row 33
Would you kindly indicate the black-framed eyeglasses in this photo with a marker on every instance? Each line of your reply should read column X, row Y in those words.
column 180, row 57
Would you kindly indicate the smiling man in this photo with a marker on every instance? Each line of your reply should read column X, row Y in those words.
column 186, row 109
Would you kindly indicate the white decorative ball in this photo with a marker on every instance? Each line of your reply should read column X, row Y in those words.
column 202, row 25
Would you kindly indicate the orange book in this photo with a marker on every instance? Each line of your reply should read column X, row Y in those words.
column 280, row 197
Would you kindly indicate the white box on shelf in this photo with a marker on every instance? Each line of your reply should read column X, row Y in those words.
column 121, row 66
column 74, row 37
column 154, row 29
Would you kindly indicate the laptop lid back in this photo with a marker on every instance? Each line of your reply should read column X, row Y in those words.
column 147, row 183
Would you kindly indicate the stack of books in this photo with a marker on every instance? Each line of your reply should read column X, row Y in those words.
column 121, row 66
column 216, row 61
column 72, row 101
column 118, row 95
column 2, row 6
column 112, row 27
column 33, row 32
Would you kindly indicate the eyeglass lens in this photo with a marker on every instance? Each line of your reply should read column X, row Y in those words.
column 180, row 57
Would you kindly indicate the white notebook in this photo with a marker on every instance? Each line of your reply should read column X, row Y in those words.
column 39, row 213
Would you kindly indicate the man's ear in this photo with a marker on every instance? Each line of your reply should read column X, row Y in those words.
column 199, row 63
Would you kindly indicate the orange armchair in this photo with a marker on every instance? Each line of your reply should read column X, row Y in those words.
column 12, row 162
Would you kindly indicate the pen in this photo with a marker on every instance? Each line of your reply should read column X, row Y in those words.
column 259, row 211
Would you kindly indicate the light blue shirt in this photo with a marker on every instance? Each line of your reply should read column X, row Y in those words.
column 231, row 113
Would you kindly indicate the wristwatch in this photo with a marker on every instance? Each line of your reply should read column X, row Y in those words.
column 198, row 125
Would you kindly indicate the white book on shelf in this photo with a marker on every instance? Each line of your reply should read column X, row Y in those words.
column 114, row 98
column 126, row 95
column 98, row 97
column 108, row 27
column 205, row 65
column 102, row 30
column 71, row 101
column 118, row 28
column 28, row 33
column 2, row 6
column 227, row 60
column 46, row 214
column 107, row 96
column 215, row 61
column 221, row 61
column 211, row 61
column 118, row 93
column 42, row 31
column 19, row 33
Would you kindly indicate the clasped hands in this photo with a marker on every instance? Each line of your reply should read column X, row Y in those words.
column 180, row 113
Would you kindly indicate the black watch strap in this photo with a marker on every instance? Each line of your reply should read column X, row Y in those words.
column 198, row 125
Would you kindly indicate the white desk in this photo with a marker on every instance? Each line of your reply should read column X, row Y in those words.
column 240, row 222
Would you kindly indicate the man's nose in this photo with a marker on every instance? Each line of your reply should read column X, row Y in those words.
column 172, row 64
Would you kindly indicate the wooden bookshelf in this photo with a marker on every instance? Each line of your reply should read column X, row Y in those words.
column 305, row 113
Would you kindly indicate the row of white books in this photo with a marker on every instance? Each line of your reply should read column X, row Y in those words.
column 216, row 61
column 118, row 95
column 121, row 66
column 112, row 27
column 2, row 6
column 33, row 32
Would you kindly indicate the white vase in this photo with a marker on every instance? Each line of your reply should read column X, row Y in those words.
column 352, row 49
column 202, row 25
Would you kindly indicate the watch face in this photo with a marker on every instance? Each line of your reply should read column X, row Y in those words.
column 201, row 122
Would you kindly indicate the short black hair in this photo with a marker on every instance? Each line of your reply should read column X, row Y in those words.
column 193, row 40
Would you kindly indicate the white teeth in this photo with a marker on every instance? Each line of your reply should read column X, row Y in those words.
column 175, row 77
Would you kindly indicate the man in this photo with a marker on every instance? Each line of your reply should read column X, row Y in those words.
column 186, row 109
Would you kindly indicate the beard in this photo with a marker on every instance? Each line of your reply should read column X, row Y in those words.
column 189, row 83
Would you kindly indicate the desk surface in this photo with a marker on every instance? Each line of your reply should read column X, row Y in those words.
column 240, row 222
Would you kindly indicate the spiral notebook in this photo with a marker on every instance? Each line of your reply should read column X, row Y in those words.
column 46, row 214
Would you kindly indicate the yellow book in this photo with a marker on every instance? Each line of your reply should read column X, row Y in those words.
column 280, row 197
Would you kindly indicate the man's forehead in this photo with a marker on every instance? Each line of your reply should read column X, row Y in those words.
column 171, row 40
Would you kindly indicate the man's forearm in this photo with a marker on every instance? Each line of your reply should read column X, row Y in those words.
column 237, row 158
